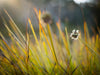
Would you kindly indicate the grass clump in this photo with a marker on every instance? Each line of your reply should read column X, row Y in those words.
column 48, row 55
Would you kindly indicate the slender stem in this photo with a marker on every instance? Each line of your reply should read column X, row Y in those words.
column 53, row 50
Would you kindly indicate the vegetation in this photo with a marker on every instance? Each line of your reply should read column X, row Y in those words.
column 50, row 54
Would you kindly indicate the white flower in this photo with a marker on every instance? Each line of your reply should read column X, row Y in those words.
column 75, row 34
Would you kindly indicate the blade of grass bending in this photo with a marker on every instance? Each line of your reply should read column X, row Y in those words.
column 64, row 41
column 16, row 32
column 14, row 36
column 86, row 33
column 13, row 46
column 3, row 47
column 36, row 40
column 14, row 25
column 4, row 52
column 8, row 58
column 27, row 43
column 39, row 23
column 4, row 42
column 18, row 56
column 2, row 37
column 85, row 36
column 38, row 15
column 36, row 12
column 18, row 42
column 91, row 50
column 16, row 39
column 27, row 49
column 34, row 57
column 53, row 49
column 68, row 41
column 63, row 38
column 17, row 29
column 46, row 38
column 45, row 48
column 20, row 46
column 70, row 66
column 33, row 31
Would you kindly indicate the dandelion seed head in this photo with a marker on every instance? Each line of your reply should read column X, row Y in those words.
column 46, row 18
column 75, row 34
column 73, row 31
column 77, row 31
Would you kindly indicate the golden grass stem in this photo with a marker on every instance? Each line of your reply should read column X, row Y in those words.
column 53, row 49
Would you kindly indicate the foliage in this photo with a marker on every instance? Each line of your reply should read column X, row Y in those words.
column 50, row 54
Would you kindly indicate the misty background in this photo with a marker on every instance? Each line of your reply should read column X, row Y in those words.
column 69, row 11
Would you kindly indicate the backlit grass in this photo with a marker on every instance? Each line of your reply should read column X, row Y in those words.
column 50, row 54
